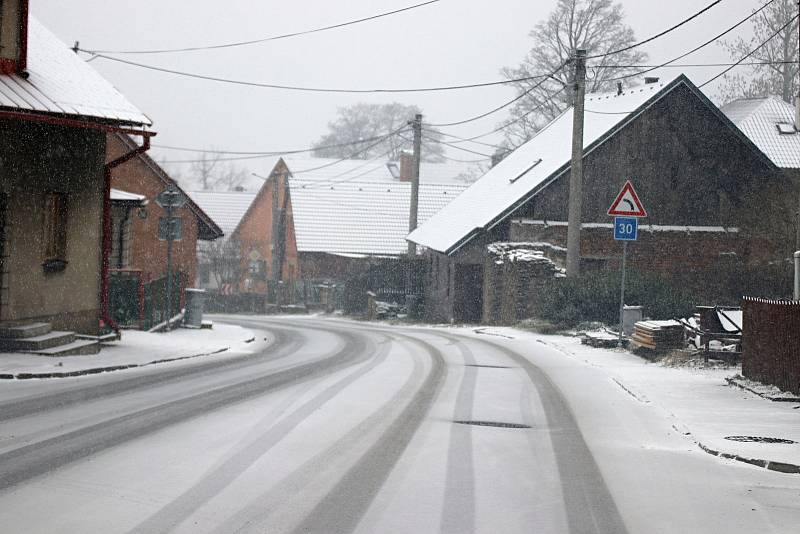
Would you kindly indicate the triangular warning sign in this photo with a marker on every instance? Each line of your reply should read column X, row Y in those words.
column 627, row 203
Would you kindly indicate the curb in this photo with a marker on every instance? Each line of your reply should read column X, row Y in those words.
column 766, row 464
column 737, row 381
column 98, row 370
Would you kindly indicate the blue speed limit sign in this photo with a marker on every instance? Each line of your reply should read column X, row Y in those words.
column 626, row 228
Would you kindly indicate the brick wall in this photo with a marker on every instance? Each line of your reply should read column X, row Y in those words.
column 692, row 254
column 147, row 252
column 770, row 343
column 254, row 233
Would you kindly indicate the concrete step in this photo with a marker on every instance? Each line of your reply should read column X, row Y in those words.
column 105, row 338
column 23, row 330
column 35, row 343
column 79, row 347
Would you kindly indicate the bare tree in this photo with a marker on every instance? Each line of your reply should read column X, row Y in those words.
column 357, row 126
column 212, row 172
column 778, row 72
column 593, row 25
column 223, row 259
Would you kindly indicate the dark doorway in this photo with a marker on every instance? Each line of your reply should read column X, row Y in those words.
column 468, row 298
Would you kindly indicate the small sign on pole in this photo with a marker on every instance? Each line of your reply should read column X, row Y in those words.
column 626, row 228
column 626, row 209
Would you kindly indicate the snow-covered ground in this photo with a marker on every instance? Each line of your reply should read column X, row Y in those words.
column 135, row 348
column 346, row 426
column 700, row 401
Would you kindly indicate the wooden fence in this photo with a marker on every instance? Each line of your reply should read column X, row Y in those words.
column 771, row 342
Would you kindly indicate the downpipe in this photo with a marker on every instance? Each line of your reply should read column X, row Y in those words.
column 106, row 260
column 797, row 275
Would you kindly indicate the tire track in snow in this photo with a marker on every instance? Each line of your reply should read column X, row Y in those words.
column 246, row 454
column 344, row 506
column 44, row 456
column 283, row 346
column 276, row 509
column 589, row 505
column 458, row 512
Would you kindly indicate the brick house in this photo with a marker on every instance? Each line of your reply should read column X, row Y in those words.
column 703, row 182
column 331, row 222
column 55, row 112
column 136, row 244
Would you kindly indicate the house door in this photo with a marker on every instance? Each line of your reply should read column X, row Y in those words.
column 468, row 298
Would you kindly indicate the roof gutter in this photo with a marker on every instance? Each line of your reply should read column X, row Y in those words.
column 106, row 259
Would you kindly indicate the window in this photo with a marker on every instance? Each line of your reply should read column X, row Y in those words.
column 55, row 231
column 121, row 232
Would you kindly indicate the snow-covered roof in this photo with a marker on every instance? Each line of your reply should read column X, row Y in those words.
column 531, row 166
column 61, row 82
column 360, row 217
column 118, row 195
column 760, row 120
column 226, row 208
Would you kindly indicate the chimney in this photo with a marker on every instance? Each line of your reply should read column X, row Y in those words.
column 406, row 166
column 13, row 36
column 650, row 79
column 619, row 88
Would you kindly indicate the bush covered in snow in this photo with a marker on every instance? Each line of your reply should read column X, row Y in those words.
column 595, row 297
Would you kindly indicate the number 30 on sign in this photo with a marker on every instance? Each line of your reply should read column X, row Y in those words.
column 626, row 228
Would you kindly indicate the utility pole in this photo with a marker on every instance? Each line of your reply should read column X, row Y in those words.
column 416, row 126
column 576, row 168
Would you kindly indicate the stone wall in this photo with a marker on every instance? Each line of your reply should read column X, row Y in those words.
column 514, row 274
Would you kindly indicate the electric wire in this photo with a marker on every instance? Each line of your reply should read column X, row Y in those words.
column 356, row 153
column 260, row 155
column 503, row 106
column 266, row 39
column 654, row 37
column 307, row 89
column 753, row 51
column 695, row 49
column 445, row 143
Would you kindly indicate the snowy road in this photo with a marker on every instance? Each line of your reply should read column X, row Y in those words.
column 334, row 426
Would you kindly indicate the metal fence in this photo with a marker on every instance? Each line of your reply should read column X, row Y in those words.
column 136, row 303
column 390, row 280
column 771, row 342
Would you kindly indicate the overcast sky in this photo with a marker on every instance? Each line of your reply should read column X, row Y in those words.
column 449, row 42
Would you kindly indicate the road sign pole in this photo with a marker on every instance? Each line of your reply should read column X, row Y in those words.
column 622, row 293
column 169, row 264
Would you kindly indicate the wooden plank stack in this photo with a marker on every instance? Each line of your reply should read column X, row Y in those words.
column 658, row 335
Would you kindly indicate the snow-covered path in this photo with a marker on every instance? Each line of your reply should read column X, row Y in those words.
column 336, row 426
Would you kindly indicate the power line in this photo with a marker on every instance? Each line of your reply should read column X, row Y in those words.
column 260, row 155
column 516, row 120
column 503, row 106
column 685, row 65
column 695, row 49
column 356, row 153
column 654, row 37
column 464, row 140
column 265, row 85
column 753, row 51
column 266, row 153
column 451, row 145
column 266, row 39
